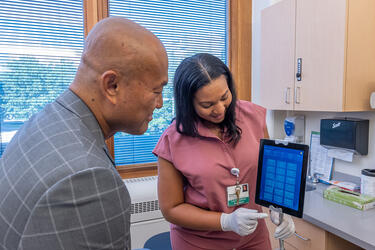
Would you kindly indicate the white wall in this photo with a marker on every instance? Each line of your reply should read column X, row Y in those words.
column 275, row 119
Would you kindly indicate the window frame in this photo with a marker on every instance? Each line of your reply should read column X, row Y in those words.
column 239, row 61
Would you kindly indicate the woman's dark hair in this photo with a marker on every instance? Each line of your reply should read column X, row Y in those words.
column 193, row 73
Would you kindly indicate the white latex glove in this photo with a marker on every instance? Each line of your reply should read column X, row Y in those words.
column 286, row 228
column 243, row 221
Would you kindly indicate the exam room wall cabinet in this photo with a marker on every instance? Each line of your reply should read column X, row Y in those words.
column 329, row 43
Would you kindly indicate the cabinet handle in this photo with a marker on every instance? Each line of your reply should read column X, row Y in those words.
column 301, row 237
column 297, row 95
column 287, row 95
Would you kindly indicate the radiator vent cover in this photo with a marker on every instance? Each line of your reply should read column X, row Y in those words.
column 147, row 206
column 144, row 198
column 152, row 179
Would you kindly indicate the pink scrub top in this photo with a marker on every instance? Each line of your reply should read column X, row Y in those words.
column 206, row 163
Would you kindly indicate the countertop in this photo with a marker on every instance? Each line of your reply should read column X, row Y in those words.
column 351, row 224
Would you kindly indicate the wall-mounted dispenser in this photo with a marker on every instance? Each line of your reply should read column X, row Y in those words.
column 347, row 133
column 294, row 127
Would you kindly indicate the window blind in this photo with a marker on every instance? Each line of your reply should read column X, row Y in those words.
column 40, row 46
column 185, row 27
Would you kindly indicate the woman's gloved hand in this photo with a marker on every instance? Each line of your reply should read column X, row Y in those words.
column 242, row 221
column 286, row 228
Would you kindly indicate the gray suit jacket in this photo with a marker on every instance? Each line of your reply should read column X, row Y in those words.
column 58, row 185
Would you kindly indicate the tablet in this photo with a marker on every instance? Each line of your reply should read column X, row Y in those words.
column 281, row 177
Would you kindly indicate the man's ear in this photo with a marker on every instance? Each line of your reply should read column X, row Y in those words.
column 109, row 82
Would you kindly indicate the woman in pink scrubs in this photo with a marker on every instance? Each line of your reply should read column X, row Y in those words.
column 208, row 159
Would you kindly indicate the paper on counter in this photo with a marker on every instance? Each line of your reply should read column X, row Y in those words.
column 320, row 162
column 341, row 154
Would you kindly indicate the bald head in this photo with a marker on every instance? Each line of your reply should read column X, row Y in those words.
column 121, row 75
column 120, row 44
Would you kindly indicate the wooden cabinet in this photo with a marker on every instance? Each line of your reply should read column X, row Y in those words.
column 330, row 43
column 311, row 238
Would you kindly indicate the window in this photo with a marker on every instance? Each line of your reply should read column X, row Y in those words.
column 185, row 27
column 41, row 42
column 40, row 47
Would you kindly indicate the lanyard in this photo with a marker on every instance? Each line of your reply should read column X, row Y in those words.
column 236, row 172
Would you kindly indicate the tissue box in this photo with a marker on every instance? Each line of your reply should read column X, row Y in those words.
column 349, row 198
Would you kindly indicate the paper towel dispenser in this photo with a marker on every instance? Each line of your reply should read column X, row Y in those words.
column 347, row 133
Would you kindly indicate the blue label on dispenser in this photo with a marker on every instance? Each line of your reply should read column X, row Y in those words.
column 289, row 127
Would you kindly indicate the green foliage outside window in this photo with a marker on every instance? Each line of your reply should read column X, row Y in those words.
column 28, row 85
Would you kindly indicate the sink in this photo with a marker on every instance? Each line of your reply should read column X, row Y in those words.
column 310, row 187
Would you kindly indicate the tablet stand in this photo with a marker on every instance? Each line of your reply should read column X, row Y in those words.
column 281, row 216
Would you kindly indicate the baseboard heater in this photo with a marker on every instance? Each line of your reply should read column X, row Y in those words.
column 146, row 217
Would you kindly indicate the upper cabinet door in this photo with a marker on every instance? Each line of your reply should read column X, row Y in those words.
column 277, row 56
column 318, row 55
column 320, row 45
column 360, row 55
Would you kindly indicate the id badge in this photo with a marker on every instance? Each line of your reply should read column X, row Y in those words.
column 232, row 196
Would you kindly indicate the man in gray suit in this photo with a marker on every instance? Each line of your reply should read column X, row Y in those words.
column 59, row 188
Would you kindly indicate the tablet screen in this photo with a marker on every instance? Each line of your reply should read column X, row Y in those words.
column 281, row 176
